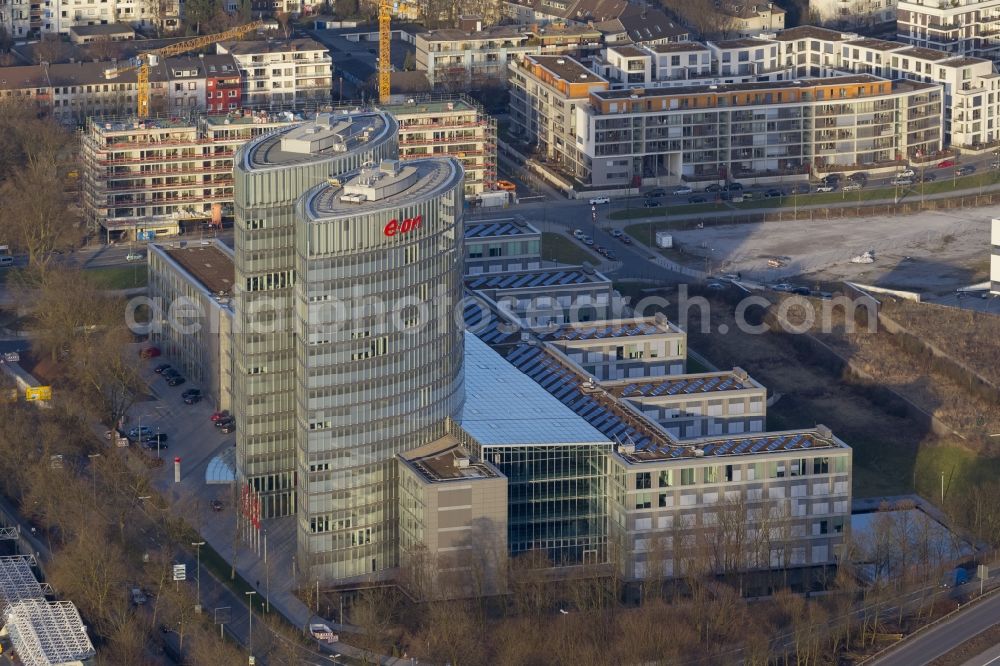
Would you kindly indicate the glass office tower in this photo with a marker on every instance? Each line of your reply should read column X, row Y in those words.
column 271, row 173
column 379, row 262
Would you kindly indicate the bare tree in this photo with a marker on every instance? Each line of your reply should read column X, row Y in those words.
column 36, row 224
column 105, row 48
column 703, row 17
column 50, row 49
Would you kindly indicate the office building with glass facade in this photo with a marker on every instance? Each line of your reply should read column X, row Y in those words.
column 270, row 173
column 379, row 360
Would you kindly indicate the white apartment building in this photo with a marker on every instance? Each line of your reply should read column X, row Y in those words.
column 24, row 19
column 282, row 73
column 853, row 13
column 962, row 27
column 152, row 176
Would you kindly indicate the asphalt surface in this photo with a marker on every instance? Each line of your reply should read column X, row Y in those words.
column 928, row 645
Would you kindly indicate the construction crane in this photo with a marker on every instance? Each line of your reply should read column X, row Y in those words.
column 141, row 62
column 384, row 52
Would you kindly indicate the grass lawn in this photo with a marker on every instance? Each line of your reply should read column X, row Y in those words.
column 119, row 277
column 683, row 209
column 556, row 247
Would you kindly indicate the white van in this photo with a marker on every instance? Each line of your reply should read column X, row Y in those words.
column 600, row 200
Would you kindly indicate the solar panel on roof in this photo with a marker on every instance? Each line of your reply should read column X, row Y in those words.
column 675, row 387
column 776, row 444
column 758, row 445
column 693, row 386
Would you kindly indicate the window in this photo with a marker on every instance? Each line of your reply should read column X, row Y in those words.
column 666, row 478
column 642, row 481
column 644, row 501
column 711, row 475
column 821, row 465
column 687, row 476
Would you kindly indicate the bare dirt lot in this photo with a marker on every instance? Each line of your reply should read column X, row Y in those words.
column 934, row 252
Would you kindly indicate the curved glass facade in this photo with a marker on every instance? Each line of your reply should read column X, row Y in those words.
column 267, row 182
column 380, row 367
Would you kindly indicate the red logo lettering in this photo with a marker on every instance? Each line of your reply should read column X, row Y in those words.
column 406, row 226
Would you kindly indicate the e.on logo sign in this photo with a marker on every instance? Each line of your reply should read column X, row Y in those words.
column 406, row 226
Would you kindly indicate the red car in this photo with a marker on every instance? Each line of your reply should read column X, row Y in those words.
column 218, row 416
column 946, row 164
column 149, row 352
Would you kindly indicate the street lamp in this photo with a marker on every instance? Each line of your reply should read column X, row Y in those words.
column 198, row 545
column 250, row 641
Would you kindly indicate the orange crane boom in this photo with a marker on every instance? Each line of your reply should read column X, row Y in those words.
column 384, row 51
column 140, row 63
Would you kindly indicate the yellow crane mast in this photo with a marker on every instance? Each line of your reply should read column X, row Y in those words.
column 384, row 52
column 140, row 63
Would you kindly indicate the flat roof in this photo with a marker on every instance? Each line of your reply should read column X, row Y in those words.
column 273, row 46
column 415, row 181
column 673, row 385
column 813, row 32
column 444, row 459
column 926, row 54
column 735, row 87
column 545, row 277
column 487, row 324
column 566, row 68
column 963, row 61
column 674, row 47
column 429, row 106
column 504, row 407
column 208, row 264
column 614, row 328
column 497, row 229
column 628, row 50
column 877, row 44
column 747, row 42
column 101, row 30
column 488, row 32
column 355, row 132
column 709, row 447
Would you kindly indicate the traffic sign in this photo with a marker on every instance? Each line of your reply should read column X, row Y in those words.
column 180, row 572
column 38, row 393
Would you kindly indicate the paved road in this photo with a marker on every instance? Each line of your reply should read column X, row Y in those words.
column 931, row 644
column 990, row 657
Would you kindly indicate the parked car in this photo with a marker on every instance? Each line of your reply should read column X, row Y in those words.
column 801, row 291
column 732, row 187
column 149, row 352
column 600, row 200
column 965, row 170
column 782, row 286
column 578, row 234
column 995, row 164
column 160, row 368
column 649, row 203
column 683, row 189
column 222, row 422
column 695, row 200
column 907, row 173
column 771, row 194
column 170, row 372
column 826, row 187
column 191, row 392
column 714, row 187
column 137, row 596
column 223, row 414
column 617, row 233
column 901, row 181
column 588, row 241
column 626, row 240
column 176, row 381
column 135, row 256
column 160, row 437
column 928, row 178
column 859, row 177
column 192, row 399
column 154, row 445
column 229, row 427
column 946, row 164
column 655, row 194
column 217, row 505
column 852, row 187
column 833, row 178
column 801, row 188
column 140, row 432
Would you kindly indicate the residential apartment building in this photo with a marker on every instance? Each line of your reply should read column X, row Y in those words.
column 223, row 84
column 611, row 349
column 454, row 126
column 853, row 14
column 754, row 129
column 641, row 24
column 460, row 59
column 749, row 18
column 282, row 73
column 143, row 179
column 502, row 246
column 544, row 94
column 26, row 19
column 687, row 406
column 962, row 27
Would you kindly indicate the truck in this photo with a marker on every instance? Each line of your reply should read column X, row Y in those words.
column 664, row 240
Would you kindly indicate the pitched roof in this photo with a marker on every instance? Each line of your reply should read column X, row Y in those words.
column 20, row 78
